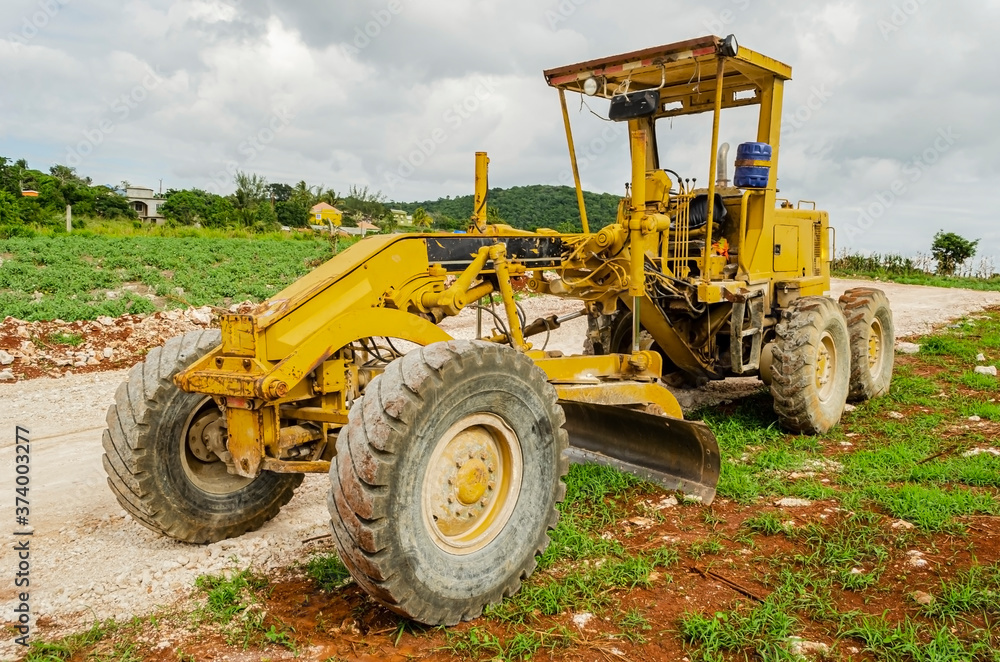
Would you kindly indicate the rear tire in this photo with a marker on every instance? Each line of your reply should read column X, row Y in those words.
column 810, row 373
column 446, row 479
column 869, row 323
column 167, row 482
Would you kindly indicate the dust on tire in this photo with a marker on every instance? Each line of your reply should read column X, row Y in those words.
column 872, row 335
column 142, row 455
column 377, row 479
column 813, row 327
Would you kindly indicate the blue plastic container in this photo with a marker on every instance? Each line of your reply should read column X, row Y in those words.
column 753, row 165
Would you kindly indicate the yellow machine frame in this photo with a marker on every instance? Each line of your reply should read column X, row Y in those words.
column 286, row 375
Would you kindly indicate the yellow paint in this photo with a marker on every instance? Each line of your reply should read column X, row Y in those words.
column 300, row 352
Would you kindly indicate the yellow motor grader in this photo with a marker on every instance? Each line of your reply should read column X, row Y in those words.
column 445, row 456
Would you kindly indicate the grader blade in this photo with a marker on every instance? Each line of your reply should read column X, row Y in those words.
column 677, row 454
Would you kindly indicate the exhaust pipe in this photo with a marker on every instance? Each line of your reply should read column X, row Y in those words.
column 722, row 174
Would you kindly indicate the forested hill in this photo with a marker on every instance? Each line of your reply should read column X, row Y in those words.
column 526, row 207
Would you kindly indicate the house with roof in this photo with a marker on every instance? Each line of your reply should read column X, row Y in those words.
column 402, row 218
column 363, row 228
column 326, row 213
column 145, row 203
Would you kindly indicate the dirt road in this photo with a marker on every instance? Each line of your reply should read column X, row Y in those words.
column 90, row 560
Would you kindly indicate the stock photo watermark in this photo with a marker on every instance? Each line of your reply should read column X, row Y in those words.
column 719, row 23
column 798, row 118
column 913, row 172
column 365, row 34
column 424, row 148
column 562, row 12
column 899, row 16
column 33, row 23
column 591, row 152
column 250, row 147
column 22, row 546
column 121, row 107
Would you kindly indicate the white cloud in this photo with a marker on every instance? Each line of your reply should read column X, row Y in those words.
column 363, row 84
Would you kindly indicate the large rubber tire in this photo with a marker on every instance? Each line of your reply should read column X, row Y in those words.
column 152, row 470
column 869, row 323
column 399, row 499
column 810, row 373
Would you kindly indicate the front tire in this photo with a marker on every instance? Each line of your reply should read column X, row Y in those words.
column 159, row 465
column 869, row 322
column 446, row 479
column 810, row 372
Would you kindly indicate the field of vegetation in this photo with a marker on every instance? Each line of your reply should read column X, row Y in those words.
column 82, row 277
column 877, row 541
column 920, row 270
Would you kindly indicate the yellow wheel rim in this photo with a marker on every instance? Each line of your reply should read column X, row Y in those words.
column 826, row 366
column 472, row 483
column 875, row 348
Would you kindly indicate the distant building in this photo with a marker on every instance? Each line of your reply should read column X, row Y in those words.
column 325, row 213
column 364, row 228
column 145, row 203
column 401, row 217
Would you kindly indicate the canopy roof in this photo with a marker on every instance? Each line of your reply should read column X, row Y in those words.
column 684, row 72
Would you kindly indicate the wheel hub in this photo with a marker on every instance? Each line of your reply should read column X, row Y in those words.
column 826, row 360
column 204, row 455
column 874, row 347
column 472, row 483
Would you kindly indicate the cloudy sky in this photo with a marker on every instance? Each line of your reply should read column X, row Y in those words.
column 890, row 120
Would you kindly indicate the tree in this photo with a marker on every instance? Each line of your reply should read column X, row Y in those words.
column 108, row 204
column 421, row 218
column 251, row 201
column 9, row 214
column 190, row 207
column 364, row 205
column 951, row 250
column 280, row 192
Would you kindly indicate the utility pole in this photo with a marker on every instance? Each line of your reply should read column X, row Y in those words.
column 69, row 218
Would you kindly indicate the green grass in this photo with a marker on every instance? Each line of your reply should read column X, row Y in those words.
column 582, row 570
column 933, row 508
column 758, row 632
column 852, row 552
column 989, row 411
column 71, row 339
column 912, row 641
column 478, row 643
column 236, row 601
column 979, row 382
column 328, row 571
column 72, row 274
column 975, row 591
column 767, row 523
column 949, row 345
column 67, row 647
column 590, row 588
